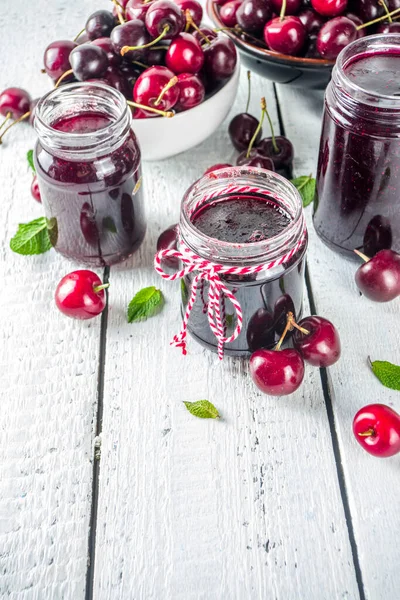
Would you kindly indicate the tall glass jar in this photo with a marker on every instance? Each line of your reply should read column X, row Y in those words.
column 265, row 297
column 357, row 204
column 87, row 161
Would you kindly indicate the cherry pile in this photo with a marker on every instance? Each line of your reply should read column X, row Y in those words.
column 309, row 28
column 379, row 277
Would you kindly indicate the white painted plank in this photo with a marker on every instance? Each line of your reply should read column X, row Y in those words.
column 48, row 363
column 366, row 328
column 244, row 508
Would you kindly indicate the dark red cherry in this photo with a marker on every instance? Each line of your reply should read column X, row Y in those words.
column 335, row 35
column 131, row 73
column 367, row 10
column 151, row 88
column 132, row 33
column 321, row 346
column 217, row 167
column 292, row 6
column 156, row 55
column 393, row 27
column 312, row 51
column 311, row 20
column 194, row 7
column 260, row 330
column 164, row 16
column 14, row 102
column 81, row 295
column 220, row 58
column 357, row 21
column 329, row 8
column 204, row 31
column 100, row 24
column 35, row 189
column 253, row 14
column 228, row 11
column 379, row 278
column 168, row 240
column 378, row 235
column 116, row 78
column 88, row 61
column 283, row 306
column 255, row 159
column 119, row 9
column 184, row 54
column 287, row 35
column 277, row 373
column 56, row 58
column 241, row 129
column 136, row 9
column 105, row 44
column 283, row 158
column 191, row 91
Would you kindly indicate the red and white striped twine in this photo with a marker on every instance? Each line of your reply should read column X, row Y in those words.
column 209, row 271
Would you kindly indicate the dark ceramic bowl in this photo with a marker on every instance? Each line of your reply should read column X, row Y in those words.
column 311, row 73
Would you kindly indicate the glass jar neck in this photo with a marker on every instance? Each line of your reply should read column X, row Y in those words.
column 237, row 180
column 74, row 100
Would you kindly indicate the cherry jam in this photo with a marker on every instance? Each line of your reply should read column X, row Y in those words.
column 357, row 204
column 88, row 165
column 246, row 229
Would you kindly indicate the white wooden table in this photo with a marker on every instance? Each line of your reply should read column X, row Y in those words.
column 274, row 501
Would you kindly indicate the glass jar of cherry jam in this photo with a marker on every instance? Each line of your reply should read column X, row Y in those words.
column 244, row 217
column 87, row 161
column 357, row 204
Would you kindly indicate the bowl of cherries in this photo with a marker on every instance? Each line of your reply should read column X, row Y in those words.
column 179, row 78
column 298, row 41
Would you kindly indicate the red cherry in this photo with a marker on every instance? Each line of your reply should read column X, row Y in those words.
column 357, row 21
column 191, row 91
column 376, row 428
column 56, row 58
column 379, row 278
column 329, row 8
column 184, row 54
column 35, row 189
column 393, row 27
column 321, row 346
column 228, row 11
column 283, row 158
column 194, row 7
column 292, row 6
column 203, row 32
column 286, row 35
column 311, row 20
column 335, row 35
column 14, row 102
column 277, row 373
column 216, row 167
column 168, row 240
column 220, row 58
column 253, row 14
column 80, row 295
column 106, row 44
column 241, row 129
column 136, row 9
column 254, row 159
column 165, row 17
column 151, row 88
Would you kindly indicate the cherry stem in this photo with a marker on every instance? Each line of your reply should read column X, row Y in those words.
column 63, row 76
column 98, row 288
column 22, row 118
column 189, row 20
column 290, row 323
column 238, row 30
column 8, row 116
column 162, row 113
column 368, row 433
column 283, row 10
column 80, row 33
column 165, row 89
column 383, row 3
column 257, row 131
column 120, row 10
column 139, row 64
column 394, row 12
column 126, row 49
column 274, row 144
column 362, row 255
column 248, row 90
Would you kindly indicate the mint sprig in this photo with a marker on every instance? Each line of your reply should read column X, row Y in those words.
column 305, row 184
column 146, row 303
column 34, row 237
column 203, row 409
column 387, row 373
column 29, row 158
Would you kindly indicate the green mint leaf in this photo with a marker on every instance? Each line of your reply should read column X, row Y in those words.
column 148, row 302
column 229, row 320
column 202, row 409
column 109, row 224
column 29, row 158
column 387, row 373
column 32, row 238
column 306, row 186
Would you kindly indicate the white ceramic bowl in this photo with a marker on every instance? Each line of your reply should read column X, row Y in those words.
column 162, row 137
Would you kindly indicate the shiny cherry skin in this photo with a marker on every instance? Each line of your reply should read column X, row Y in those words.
column 312, row 51
column 14, row 102
column 163, row 14
column 253, row 14
column 56, row 58
column 379, row 278
column 216, row 167
column 116, row 10
column 168, row 240
column 277, row 373
column 194, row 7
column 329, row 8
column 35, row 189
column 149, row 86
column 220, row 58
column 368, row 10
column 116, row 79
column 283, row 305
column 241, row 130
column 260, row 330
column 100, row 24
column 286, row 36
column 136, row 9
column 255, row 159
column 393, row 27
column 228, row 11
column 357, row 21
column 292, row 6
column 184, row 54
column 204, row 31
column 283, row 159
column 105, row 44
column 321, row 346
column 335, row 35
column 131, row 33
column 156, row 56
column 376, row 428
column 76, row 295
column 88, row 61
column 377, row 236
column 191, row 91
column 311, row 20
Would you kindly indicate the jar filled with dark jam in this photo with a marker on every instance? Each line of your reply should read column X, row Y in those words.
column 357, row 205
column 87, row 161
column 244, row 217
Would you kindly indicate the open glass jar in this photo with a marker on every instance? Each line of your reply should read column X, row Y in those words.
column 357, row 204
column 87, row 161
column 245, row 218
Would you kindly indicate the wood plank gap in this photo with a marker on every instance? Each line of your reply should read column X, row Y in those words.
column 96, row 461
column 337, row 455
